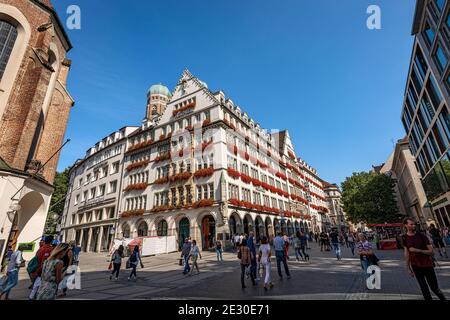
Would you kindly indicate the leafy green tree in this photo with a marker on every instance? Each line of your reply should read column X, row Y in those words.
column 370, row 198
column 58, row 200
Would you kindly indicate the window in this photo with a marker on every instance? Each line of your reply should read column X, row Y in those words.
column 8, row 36
column 440, row 58
column 211, row 191
column 77, row 199
column 101, row 190
column 444, row 117
column 233, row 192
column 440, row 4
column 433, row 92
column 84, row 198
column 421, row 63
column 429, row 33
column 80, row 182
column 115, row 167
column 162, row 228
column 92, row 194
column 88, row 179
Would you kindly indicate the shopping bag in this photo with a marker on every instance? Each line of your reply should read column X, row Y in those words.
column 110, row 266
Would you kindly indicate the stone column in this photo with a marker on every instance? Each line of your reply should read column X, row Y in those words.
column 81, row 238
column 89, row 240
column 99, row 240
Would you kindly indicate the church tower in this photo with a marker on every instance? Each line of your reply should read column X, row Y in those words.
column 157, row 98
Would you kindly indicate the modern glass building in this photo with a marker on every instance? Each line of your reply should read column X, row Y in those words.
column 425, row 113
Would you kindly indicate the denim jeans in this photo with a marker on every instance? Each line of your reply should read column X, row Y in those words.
column 219, row 254
column 13, row 279
column 352, row 247
column 337, row 249
column 281, row 258
column 365, row 265
column 298, row 253
column 187, row 268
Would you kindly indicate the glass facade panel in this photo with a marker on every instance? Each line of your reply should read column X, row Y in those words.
column 441, row 58
column 421, row 64
column 434, row 92
column 429, row 34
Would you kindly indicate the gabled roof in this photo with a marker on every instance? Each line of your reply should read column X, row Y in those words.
column 47, row 5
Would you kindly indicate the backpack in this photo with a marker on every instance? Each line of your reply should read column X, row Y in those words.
column 33, row 265
column 133, row 257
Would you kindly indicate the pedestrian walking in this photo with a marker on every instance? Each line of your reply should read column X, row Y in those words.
column 246, row 256
column 351, row 243
column 323, row 241
column 376, row 239
column 52, row 273
column 419, row 260
column 186, row 254
column 116, row 260
column 365, row 252
column 42, row 254
column 133, row 262
column 297, row 247
column 303, row 245
column 219, row 251
column 438, row 242
column 237, row 239
column 279, row 245
column 12, row 273
column 195, row 255
column 76, row 250
column 252, row 246
column 265, row 253
column 334, row 236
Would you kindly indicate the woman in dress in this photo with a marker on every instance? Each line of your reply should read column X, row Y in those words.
column 52, row 273
column 265, row 252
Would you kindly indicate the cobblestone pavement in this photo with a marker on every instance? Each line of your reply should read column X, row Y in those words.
column 322, row 278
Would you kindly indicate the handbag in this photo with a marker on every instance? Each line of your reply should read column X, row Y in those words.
column 239, row 254
column 373, row 259
column 128, row 264
column 110, row 266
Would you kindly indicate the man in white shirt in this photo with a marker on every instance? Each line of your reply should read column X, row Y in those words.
column 12, row 273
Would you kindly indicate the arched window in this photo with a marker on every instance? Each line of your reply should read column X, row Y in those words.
column 8, row 36
column 126, row 231
column 162, row 228
column 142, row 229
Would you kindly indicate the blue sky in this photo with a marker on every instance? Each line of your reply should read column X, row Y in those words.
column 312, row 67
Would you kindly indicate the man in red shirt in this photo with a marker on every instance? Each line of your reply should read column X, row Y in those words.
column 419, row 261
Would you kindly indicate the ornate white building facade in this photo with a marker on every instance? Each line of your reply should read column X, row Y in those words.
column 200, row 167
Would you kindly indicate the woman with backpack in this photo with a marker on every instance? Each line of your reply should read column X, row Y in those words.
column 134, row 261
column 116, row 261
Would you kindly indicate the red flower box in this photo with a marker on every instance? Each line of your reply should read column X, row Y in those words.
column 137, row 186
column 162, row 180
column 202, row 173
column 206, row 122
column 163, row 157
column 281, row 176
column 132, row 213
column 246, row 179
column 137, row 165
column 203, row 203
column 182, row 109
column 233, row 173
column 180, row 177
